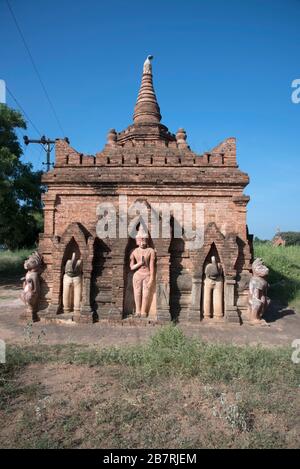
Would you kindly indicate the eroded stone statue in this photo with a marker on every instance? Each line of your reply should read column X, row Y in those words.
column 213, row 290
column 72, row 285
column 142, row 262
column 258, row 301
column 31, row 284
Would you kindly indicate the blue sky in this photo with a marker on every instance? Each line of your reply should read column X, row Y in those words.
column 221, row 68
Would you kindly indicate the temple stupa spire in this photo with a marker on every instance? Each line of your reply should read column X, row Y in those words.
column 147, row 109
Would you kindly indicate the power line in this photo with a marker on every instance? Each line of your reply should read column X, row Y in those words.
column 24, row 112
column 35, row 67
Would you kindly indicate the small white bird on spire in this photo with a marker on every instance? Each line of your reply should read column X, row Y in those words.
column 147, row 64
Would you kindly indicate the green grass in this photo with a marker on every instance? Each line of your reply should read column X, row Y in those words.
column 11, row 263
column 170, row 352
column 284, row 277
column 170, row 392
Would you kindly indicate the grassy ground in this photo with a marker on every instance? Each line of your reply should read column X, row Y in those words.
column 173, row 392
column 284, row 278
column 11, row 263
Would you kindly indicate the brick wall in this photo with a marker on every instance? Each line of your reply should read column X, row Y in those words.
column 156, row 168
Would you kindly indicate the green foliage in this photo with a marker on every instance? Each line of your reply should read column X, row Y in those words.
column 258, row 240
column 20, row 187
column 284, row 276
column 291, row 238
column 11, row 263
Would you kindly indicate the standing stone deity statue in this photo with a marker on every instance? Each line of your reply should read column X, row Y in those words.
column 213, row 290
column 31, row 284
column 142, row 262
column 258, row 301
column 72, row 285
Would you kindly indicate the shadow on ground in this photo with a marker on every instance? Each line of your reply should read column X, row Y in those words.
column 11, row 283
column 282, row 289
column 277, row 311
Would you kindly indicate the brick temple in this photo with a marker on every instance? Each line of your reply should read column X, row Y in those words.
column 147, row 163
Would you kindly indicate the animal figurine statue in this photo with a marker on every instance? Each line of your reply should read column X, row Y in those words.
column 258, row 301
column 31, row 285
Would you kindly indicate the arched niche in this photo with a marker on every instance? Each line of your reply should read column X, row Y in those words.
column 70, row 249
column 228, row 253
column 226, row 247
column 128, row 297
column 213, row 252
column 75, row 239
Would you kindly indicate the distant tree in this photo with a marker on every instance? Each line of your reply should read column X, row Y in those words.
column 20, row 187
column 291, row 237
column 258, row 240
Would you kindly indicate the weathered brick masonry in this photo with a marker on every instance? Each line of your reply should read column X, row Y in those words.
column 148, row 163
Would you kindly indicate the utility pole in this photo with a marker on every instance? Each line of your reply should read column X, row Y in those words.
column 2, row 92
column 46, row 144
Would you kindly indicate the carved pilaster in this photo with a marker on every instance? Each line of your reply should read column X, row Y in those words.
column 163, row 289
column 194, row 311
column 116, row 310
column 231, row 311
column 49, row 213
column 86, row 313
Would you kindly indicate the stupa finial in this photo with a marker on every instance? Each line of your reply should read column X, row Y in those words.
column 147, row 109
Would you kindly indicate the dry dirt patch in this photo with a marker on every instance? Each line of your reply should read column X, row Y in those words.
column 67, row 405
